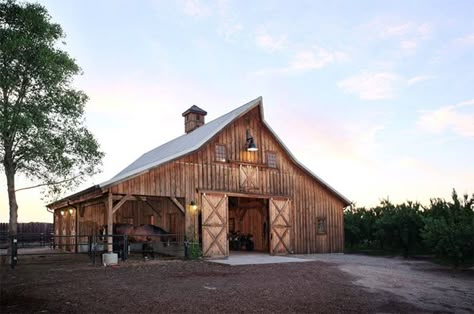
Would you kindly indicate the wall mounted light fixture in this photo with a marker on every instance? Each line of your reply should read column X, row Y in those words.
column 71, row 210
column 251, row 146
column 193, row 206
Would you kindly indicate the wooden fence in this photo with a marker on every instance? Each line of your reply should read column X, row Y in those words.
column 30, row 227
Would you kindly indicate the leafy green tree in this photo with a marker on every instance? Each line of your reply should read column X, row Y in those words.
column 398, row 226
column 449, row 229
column 352, row 233
column 368, row 219
column 384, row 227
column 408, row 222
column 42, row 132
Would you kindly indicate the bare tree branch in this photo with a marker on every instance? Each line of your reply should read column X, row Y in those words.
column 46, row 184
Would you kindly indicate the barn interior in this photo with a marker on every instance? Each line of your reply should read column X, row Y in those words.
column 248, row 224
column 158, row 211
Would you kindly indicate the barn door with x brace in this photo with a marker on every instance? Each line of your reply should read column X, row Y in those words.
column 280, row 226
column 248, row 178
column 214, row 225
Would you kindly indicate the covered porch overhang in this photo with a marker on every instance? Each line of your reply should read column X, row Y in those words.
column 112, row 203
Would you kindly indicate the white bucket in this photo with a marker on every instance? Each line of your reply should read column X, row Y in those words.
column 109, row 259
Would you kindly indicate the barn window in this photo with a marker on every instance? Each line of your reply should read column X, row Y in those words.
column 271, row 159
column 221, row 153
column 321, row 225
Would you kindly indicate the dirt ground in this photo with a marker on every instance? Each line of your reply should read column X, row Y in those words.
column 176, row 286
column 431, row 287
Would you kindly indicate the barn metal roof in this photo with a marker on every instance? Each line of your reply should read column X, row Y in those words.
column 192, row 141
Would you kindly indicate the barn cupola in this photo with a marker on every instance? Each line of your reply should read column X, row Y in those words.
column 193, row 118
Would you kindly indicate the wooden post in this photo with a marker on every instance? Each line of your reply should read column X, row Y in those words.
column 76, row 228
column 110, row 221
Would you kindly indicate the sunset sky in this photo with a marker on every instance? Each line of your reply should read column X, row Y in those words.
column 375, row 97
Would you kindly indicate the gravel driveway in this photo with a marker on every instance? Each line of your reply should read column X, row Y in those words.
column 426, row 285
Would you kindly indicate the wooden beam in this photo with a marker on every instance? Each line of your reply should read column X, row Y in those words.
column 236, row 194
column 242, row 213
column 118, row 197
column 141, row 198
column 110, row 221
column 121, row 202
column 178, row 204
column 248, row 205
column 157, row 211
column 80, row 199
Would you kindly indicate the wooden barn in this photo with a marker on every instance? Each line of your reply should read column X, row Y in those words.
column 230, row 175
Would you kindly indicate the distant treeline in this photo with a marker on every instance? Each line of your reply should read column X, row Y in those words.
column 444, row 228
column 30, row 227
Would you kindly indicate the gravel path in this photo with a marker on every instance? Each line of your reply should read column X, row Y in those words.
column 426, row 285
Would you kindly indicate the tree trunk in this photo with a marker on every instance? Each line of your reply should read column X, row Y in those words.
column 10, row 174
column 12, row 227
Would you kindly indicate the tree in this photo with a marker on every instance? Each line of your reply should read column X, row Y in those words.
column 42, row 131
column 352, row 233
column 449, row 229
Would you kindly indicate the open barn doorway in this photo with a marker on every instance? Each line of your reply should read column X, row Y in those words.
column 248, row 225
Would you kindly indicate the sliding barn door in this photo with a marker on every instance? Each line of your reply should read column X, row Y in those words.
column 214, row 225
column 280, row 227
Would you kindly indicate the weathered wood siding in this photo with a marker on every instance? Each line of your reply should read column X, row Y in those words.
column 65, row 229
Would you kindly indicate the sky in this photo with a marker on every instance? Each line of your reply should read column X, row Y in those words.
column 375, row 97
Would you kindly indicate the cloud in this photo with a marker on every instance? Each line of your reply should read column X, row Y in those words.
column 229, row 29
column 268, row 42
column 450, row 118
column 403, row 30
column 420, row 78
column 405, row 35
column 195, row 8
column 307, row 60
column 313, row 60
column 372, row 85
column 228, row 25
column 408, row 45
column 466, row 40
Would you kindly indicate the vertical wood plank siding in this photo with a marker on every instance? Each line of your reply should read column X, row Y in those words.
column 184, row 177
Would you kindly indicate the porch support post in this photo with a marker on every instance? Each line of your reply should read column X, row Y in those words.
column 110, row 221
